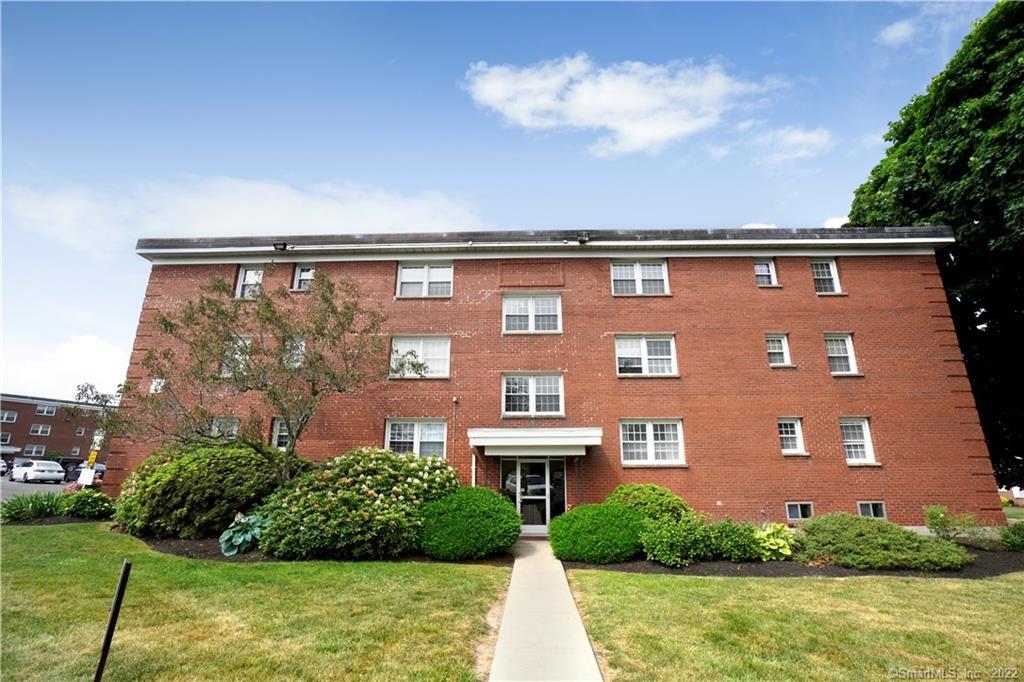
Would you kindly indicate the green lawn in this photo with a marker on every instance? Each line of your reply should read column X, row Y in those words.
column 1014, row 512
column 664, row 627
column 194, row 619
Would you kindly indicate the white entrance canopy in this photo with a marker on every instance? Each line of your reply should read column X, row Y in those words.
column 554, row 442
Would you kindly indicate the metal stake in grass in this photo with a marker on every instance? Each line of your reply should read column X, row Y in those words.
column 115, row 609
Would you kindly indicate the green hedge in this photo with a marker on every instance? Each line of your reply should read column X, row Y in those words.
column 471, row 523
column 603, row 533
column 1013, row 537
column 87, row 503
column 653, row 501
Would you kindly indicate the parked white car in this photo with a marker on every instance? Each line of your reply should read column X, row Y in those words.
column 35, row 470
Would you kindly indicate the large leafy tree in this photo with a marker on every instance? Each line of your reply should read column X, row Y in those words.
column 957, row 158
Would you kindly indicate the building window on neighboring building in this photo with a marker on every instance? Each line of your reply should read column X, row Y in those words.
column 235, row 359
column 5, row 438
column 841, row 359
column 224, row 427
column 642, row 278
column 425, row 438
column 799, row 511
column 825, row 275
column 658, row 441
column 791, row 436
column 857, row 440
column 532, row 394
column 304, row 275
column 46, row 410
column 8, row 416
column 764, row 273
column 422, row 280
column 532, row 314
column 39, row 430
column 778, row 350
column 35, row 450
column 645, row 355
column 157, row 385
column 80, row 431
column 874, row 509
column 250, row 279
column 279, row 437
column 432, row 351
column 75, row 451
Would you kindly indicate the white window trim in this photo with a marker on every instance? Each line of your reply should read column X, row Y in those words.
column 885, row 512
column 637, row 278
column 46, row 410
column 798, row 519
column 532, row 376
column 801, row 449
column 275, row 431
column 426, row 278
column 217, row 432
column 5, row 438
column 837, row 288
column 39, row 430
column 869, row 448
column 788, row 360
column 242, row 269
column 418, row 421
column 80, row 429
column 771, row 272
column 421, row 337
column 75, row 451
column 34, row 454
column 847, row 339
column 299, row 267
column 531, row 314
column 240, row 350
column 13, row 414
column 651, row 461
column 157, row 385
column 644, row 359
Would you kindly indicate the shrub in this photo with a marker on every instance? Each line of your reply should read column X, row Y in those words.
column 736, row 542
column 87, row 503
column 945, row 525
column 603, row 533
column 35, row 506
column 1005, row 501
column 866, row 543
column 1013, row 537
column 776, row 541
column 364, row 504
column 471, row 523
column 242, row 535
column 653, row 501
column 196, row 492
column 679, row 542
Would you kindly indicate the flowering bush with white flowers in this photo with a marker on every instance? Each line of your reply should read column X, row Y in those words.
column 362, row 505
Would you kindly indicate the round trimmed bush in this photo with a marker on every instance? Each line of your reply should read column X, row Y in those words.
column 196, row 492
column 653, row 501
column 736, row 542
column 605, row 533
column 364, row 504
column 678, row 542
column 471, row 523
column 87, row 503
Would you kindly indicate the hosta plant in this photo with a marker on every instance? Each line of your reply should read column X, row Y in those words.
column 242, row 535
column 776, row 541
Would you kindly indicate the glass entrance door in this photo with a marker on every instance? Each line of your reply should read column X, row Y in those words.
column 537, row 488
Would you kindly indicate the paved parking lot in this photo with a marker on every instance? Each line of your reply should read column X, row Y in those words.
column 15, row 488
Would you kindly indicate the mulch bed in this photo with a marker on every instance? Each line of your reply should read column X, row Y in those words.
column 986, row 565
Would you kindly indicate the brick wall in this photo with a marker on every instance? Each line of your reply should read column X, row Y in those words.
column 63, row 425
column 924, row 425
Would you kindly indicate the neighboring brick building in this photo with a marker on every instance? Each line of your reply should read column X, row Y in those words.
column 44, row 428
column 759, row 374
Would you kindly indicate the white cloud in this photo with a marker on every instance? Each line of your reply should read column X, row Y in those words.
column 937, row 26
column 898, row 33
column 835, row 223
column 97, row 222
column 792, row 143
column 54, row 370
column 640, row 107
column 759, row 226
column 717, row 151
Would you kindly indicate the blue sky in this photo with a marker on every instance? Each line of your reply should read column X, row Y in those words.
column 130, row 120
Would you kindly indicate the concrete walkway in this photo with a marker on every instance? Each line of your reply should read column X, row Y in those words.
column 541, row 635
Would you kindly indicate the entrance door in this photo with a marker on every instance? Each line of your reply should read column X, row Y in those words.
column 537, row 488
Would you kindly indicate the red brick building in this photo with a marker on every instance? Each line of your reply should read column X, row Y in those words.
column 44, row 428
column 765, row 375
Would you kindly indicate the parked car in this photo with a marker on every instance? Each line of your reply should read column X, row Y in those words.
column 3, row 467
column 76, row 472
column 38, row 470
column 68, row 464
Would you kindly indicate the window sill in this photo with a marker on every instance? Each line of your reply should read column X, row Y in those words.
column 769, row 286
column 424, row 378
column 647, row 376
column 863, row 464
column 796, row 454
column 553, row 332
column 847, row 375
column 788, row 366
column 298, row 291
column 666, row 295
column 423, row 298
column 831, row 293
column 532, row 416
column 655, row 465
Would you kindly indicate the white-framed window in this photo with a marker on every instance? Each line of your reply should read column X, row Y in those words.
column 224, row 427
column 279, row 437
column 157, row 385
column 532, row 394
column 874, row 509
column 304, row 275
column 75, row 451
column 46, row 410
column 639, row 278
column 5, row 438
column 8, row 416
column 799, row 511
column 424, row 437
column 250, row 279
column 532, row 314
column 764, row 272
column 39, row 430
column 433, row 351
column 825, row 275
column 791, row 436
column 234, row 360
column 420, row 280
column 35, row 450
column 839, row 348
column 645, row 355
column 295, row 353
column 857, row 440
column 651, row 441
column 778, row 350
column 80, row 431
